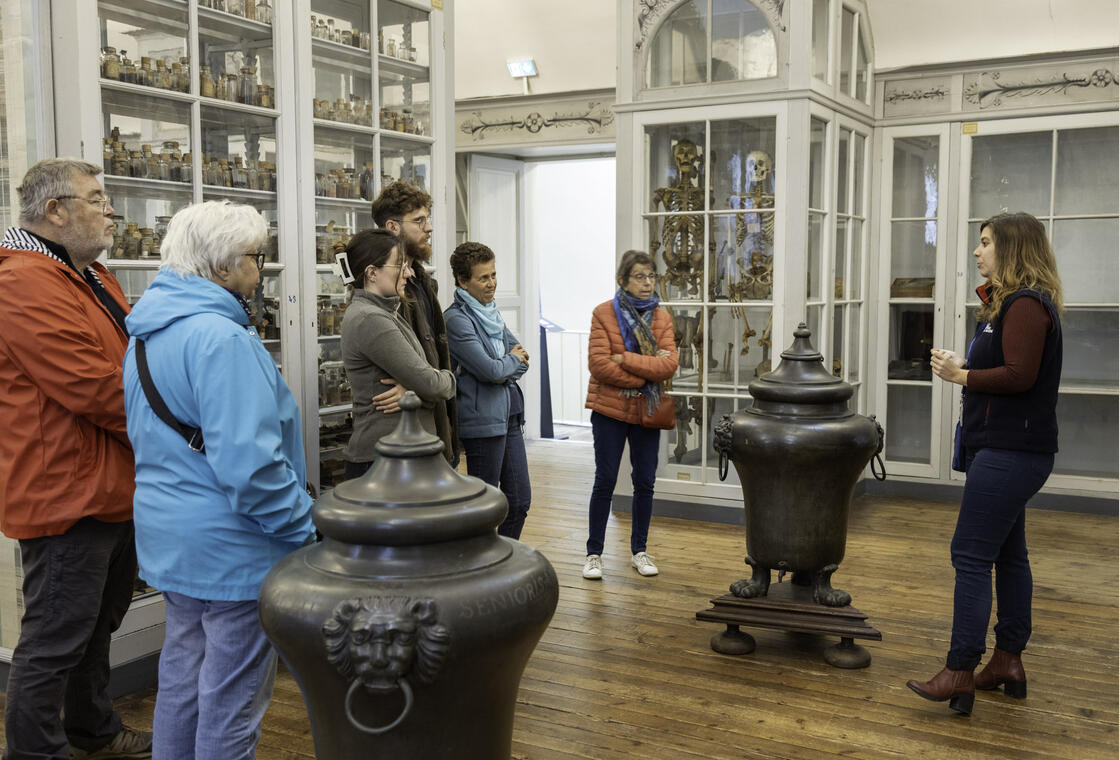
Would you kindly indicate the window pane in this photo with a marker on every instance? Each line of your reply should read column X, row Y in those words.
column 816, row 167
column 1087, row 425
column 20, row 104
column 847, row 42
column 675, row 157
column 820, row 38
column 858, row 170
column 679, row 50
column 738, row 340
column 858, row 252
column 814, row 278
column 1011, row 173
column 842, row 203
column 838, row 331
column 1087, row 165
column 840, row 283
column 854, row 345
column 911, row 334
column 1091, row 343
column 683, row 442
column 1086, row 260
column 744, row 176
column 742, row 43
column 912, row 257
column 916, row 176
column 862, row 69
column 908, row 426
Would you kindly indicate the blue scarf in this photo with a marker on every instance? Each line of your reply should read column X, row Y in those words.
column 635, row 317
column 490, row 318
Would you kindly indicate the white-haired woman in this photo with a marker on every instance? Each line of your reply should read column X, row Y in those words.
column 211, row 519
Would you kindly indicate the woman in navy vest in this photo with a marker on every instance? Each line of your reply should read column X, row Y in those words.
column 1009, row 437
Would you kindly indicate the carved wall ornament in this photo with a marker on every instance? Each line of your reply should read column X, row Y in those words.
column 650, row 13
column 595, row 117
column 923, row 93
column 988, row 90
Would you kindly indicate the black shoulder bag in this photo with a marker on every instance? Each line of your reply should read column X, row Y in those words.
column 192, row 435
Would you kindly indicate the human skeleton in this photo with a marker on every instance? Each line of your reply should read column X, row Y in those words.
column 755, row 231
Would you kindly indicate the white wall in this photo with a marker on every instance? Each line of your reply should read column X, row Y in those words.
column 572, row 41
column 914, row 32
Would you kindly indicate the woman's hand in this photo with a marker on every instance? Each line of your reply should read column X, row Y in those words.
column 663, row 352
column 519, row 352
column 389, row 401
column 616, row 358
column 948, row 365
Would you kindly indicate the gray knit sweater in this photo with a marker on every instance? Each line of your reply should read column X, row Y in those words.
column 378, row 344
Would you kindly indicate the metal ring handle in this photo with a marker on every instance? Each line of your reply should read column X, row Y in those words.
column 404, row 687
column 723, row 465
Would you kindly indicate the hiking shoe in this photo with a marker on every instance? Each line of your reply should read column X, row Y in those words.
column 644, row 564
column 592, row 570
column 129, row 743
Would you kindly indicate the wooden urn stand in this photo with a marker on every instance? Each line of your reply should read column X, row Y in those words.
column 790, row 607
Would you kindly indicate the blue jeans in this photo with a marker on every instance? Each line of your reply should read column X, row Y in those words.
column 216, row 673
column 501, row 461
column 76, row 590
column 991, row 530
column 610, row 438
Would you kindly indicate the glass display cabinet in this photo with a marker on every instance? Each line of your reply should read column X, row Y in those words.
column 369, row 115
column 756, row 210
column 1061, row 170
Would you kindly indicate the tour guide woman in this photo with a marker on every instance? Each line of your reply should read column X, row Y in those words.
column 212, row 520
column 488, row 360
column 632, row 351
column 1009, row 437
column 379, row 344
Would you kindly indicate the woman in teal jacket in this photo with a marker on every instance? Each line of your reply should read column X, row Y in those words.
column 487, row 361
column 211, row 523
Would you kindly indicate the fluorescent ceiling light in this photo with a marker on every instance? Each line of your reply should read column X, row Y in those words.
column 522, row 68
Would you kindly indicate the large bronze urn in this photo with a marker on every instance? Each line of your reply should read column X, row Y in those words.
column 409, row 626
column 799, row 451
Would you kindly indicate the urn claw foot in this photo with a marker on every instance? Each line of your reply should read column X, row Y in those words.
column 733, row 641
column 824, row 594
column 754, row 586
column 847, row 654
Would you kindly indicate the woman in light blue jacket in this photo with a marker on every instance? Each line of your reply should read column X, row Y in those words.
column 487, row 361
column 211, row 523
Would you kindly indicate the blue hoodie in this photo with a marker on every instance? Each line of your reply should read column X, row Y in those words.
column 211, row 525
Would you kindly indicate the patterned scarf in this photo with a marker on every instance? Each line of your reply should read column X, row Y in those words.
column 635, row 316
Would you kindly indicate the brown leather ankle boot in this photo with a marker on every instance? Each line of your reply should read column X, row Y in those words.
column 1004, row 670
column 957, row 687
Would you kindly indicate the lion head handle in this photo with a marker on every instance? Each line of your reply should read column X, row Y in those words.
column 380, row 640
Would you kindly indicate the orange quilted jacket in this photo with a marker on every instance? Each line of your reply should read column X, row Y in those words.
column 608, row 378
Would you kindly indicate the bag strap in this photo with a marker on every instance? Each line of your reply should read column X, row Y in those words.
column 192, row 435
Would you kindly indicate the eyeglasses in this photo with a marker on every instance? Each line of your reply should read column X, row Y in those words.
column 105, row 202
column 419, row 221
column 652, row 277
column 259, row 256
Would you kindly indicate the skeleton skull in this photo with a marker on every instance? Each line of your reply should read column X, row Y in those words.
column 686, row 155
column 758, row 166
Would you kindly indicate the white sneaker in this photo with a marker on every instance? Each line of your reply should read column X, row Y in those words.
column 592, row 570
column 644, row 564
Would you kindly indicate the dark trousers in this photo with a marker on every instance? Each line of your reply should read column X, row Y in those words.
column 610, row 437
column 76, row 590
column 991, row 531
column 500, row 460
column 356, row 469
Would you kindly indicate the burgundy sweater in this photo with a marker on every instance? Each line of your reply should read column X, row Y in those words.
column 1024, row 328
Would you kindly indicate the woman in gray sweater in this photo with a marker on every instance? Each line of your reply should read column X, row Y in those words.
column 378, row 344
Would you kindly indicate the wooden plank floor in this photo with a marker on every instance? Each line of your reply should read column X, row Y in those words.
column 625, row 670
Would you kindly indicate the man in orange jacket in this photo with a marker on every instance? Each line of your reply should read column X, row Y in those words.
column 66, row 469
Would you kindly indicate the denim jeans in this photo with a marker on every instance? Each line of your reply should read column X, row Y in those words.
column 501, row 461
column 991, row 530
column 76, row 589
column 610, row 438
column 216, row 673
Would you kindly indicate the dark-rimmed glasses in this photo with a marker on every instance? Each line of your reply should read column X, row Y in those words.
column 259, row 256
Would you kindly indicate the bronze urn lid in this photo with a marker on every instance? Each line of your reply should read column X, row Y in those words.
column 800, row 385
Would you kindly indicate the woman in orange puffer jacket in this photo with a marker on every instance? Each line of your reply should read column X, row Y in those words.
column 632, row 352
